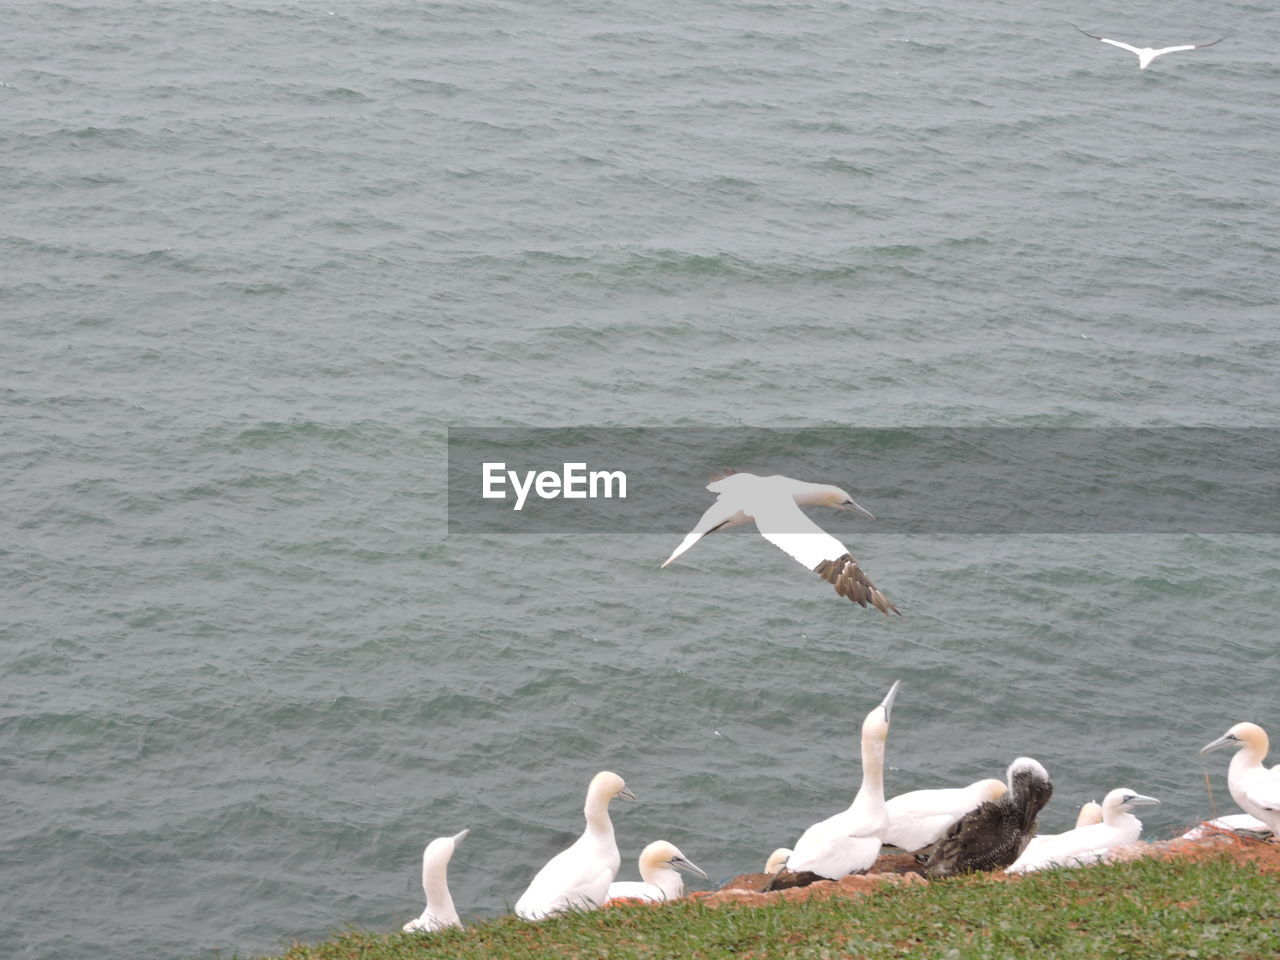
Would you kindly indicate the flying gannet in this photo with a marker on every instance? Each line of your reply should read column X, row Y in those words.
column 997, row 832
column 439, row 913
column 1085, row 845
column 774, row 504
column 659, row 881
column 1255, row 788
column 1147, row 54
column 849, row 842
column 921, row 817
column 579, row 878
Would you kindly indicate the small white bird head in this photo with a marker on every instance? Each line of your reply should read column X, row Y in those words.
column 441, row 849
column 1124, row 799
column 830, row 496
column 661, row 853
column 876, row 725
column 1026, row 774
column 1242, row 735
column 777, row 860
column 1090, row 813
column 606, row 785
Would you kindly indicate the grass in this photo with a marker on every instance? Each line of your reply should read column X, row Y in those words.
column 1151, row 909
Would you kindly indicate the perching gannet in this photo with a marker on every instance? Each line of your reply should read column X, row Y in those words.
column 1085, row 845
column 997, row 832
column 659, row 881
column 1255, row 788
column 849, row 842
column 439, row 913
column 579, row 878
column 1147, row 54
column 921, row 817
column 774, row 504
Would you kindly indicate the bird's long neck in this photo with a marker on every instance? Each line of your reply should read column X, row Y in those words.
column 435, row 884
column 1249, row 757
column 596, row 811
column 869, row 802
column 665, row 878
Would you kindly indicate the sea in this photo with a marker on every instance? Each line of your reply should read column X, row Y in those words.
column 259, row 261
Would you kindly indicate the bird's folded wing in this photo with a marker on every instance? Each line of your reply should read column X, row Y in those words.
column 1265, row 791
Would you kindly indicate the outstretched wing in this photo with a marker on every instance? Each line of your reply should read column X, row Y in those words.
column 723, row 513
column 784, row 525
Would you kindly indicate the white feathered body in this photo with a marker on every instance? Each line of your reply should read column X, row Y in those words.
column 921, row 817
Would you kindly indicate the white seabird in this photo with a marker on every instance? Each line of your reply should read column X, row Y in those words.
column 774, row 504
column 849, row 842
column 659, row 881
column 1085, row 845
column 1255, row 788
column 579, row 878
column 921, row 817
column 439, row 913
column 1147, row 54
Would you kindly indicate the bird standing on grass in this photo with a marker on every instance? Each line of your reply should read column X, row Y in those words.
column 579, row 878
column 439, row 912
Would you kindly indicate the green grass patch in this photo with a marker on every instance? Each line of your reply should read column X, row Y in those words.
column 1144, row 910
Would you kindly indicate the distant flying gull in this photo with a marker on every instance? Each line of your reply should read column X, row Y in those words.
column 1255, row 788
column 1147, row 54
column 579, row 878
column 774, row 504
column 659, row 881
column 439, row 913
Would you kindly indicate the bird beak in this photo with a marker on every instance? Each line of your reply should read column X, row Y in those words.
column 1225, row 740
column 689, row 867
column 853, row 507
column 626, row 794
column 459, row 837
column 1141, row 801
column 887, row 702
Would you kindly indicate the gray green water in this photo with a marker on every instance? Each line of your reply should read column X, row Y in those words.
column 255, row 258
